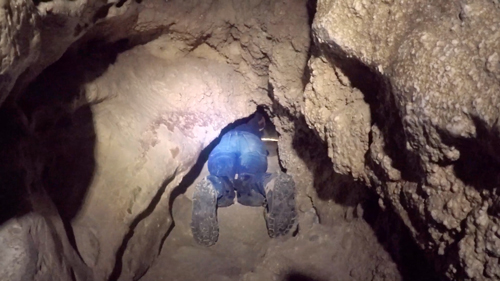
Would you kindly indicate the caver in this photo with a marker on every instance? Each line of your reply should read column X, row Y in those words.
column 238, row 170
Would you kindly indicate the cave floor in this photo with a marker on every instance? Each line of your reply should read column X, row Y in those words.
column 244, row 251
column 242, row 243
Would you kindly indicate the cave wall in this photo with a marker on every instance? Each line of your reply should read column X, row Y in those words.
column 401, row 97
column 125, row 111
column 422, row 118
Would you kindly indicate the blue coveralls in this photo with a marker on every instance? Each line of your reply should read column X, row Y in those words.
column 240, row 152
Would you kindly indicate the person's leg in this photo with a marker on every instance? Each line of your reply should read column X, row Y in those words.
column 280, row 206
column 214, row 191
column 251, row 168
column 250, row 189
column 225, row 190
column 204, row 225
column 222, row 166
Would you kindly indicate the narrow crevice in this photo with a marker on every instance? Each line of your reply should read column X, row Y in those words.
column 117, row 270
column 199, row 41
column 187, row 181
column 311, row 12
column 120, row 3
column 71, row 236
column 13, row 191
column 146, row 37
column 166, row 235
column 102, row 12
column 452, row 254
column 311, row 6
column 195, row 171
column 313, row 204
column 72, row 274
column 37, row 2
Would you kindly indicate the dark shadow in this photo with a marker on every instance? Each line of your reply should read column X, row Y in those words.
column 37, row 2
column 311, row 10
column 328, row 184
column 377, row 93
column 102, row 11
column 61, row 120
column 297, row 276
column 14, row 137
column 390, row 230
column 479, row 162
column 412, row 262
column 48, row 132
column 479, row 167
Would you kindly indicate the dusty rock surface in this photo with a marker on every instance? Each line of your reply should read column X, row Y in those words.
column 175, row 115
column 245, row 252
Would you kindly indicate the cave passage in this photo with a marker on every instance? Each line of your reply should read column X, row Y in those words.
column 93, row 148
column 243, row 234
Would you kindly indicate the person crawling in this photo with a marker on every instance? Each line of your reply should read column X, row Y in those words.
column 238, row 171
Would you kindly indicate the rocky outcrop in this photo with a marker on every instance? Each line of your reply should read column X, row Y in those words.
column 427, row 74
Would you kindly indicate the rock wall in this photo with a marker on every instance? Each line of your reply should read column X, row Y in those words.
column 413, row 87
column 394, row 98
column 114, row 125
